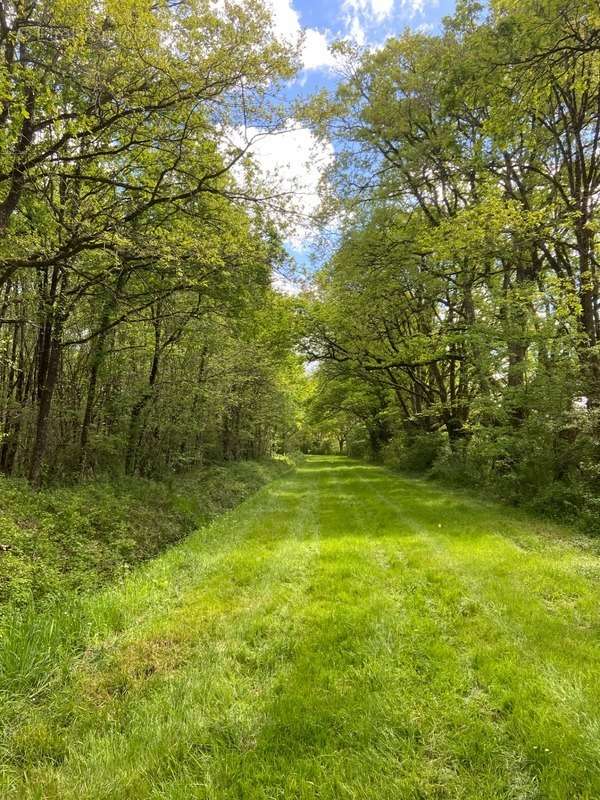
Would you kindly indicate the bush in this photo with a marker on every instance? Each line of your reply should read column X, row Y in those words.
column 548, row 464
column 559, row 501
column 415, row 453
column 589, row 515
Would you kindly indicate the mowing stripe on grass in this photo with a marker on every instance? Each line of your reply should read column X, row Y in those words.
column 345, row 633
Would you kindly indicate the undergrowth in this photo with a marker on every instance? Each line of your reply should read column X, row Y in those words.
column 60, row 540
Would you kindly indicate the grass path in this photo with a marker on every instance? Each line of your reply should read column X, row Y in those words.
column 345, row 633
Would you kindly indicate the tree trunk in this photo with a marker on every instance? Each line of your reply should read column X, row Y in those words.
column 98, row 355
column 458, row 433
column 49, row 350
column 136, row 420
column 588, row 301
column 43, row 417
column 14, row 402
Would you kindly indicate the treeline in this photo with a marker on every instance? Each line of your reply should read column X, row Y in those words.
column 138, row 328
column 457, row 324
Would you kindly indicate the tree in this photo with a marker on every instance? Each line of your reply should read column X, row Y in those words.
column 464, row 284
column 123, row 227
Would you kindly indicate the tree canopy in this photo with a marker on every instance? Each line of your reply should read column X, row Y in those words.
column 464, row 288
column 134, row 268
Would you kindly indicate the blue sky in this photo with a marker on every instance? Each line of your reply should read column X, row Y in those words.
column 369, row 22
column 386, row 15
column 295, row 160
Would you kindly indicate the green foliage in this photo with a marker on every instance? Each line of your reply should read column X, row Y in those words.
column 59, row 540
column 138, row 327
column 414, row 453
column 463, row 290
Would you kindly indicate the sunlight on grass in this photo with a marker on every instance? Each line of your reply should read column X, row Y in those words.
column 345, row 633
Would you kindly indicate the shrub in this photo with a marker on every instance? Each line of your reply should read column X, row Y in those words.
column 416, row 452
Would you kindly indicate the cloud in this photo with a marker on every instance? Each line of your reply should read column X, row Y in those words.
column 370, row 22
column 415, row 6
column 356, row 30
column 292, row 162
column 363, row 16
column 286, row 21
column 285, row 285
column 377, row 9
column 315, row 53
column 382, row 8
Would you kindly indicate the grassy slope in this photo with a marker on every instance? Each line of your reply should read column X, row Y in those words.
column 344, row 633
column 79, row 537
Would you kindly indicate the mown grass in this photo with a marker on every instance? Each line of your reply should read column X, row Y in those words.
column 345, row 633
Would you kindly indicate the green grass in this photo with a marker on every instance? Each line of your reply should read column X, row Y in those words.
column 344, row 633
column 76, row 538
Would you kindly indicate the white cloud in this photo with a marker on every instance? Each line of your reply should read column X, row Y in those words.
column 356, row 30
column 366, row 20
column 286, row 24
column 291, row 163
column 415, row 6
column 316, row 53
column 286, row 285
column 379, row 9
column 382, row 8
column 286, row 21
column 361, row 16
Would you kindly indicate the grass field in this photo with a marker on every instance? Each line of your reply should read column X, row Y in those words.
column 345, row 633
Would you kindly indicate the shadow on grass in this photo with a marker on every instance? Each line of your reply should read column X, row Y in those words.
column 398, row 505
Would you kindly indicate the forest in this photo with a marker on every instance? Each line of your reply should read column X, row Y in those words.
column 433, row 362
column 138, row 328
column 457, row 321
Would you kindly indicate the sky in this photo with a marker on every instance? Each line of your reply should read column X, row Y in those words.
column 368, row 22
column 295, row 160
